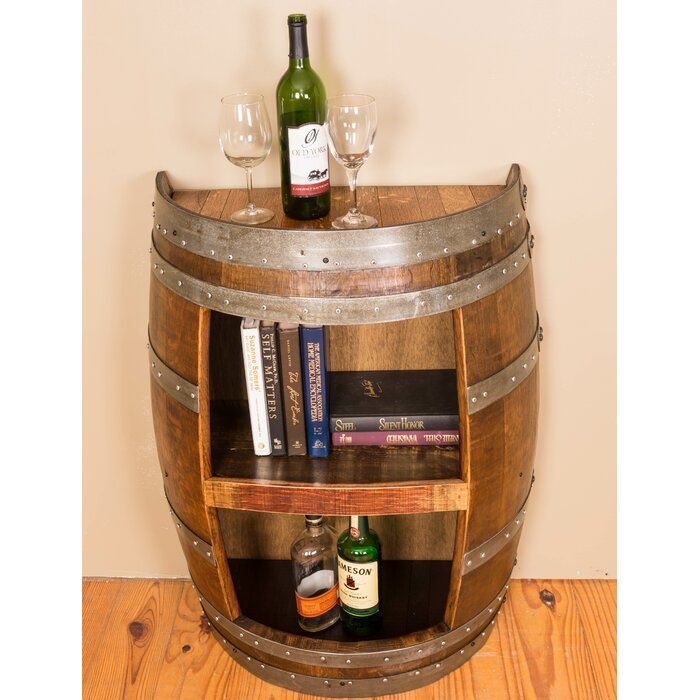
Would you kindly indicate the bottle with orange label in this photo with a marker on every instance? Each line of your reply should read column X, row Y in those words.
column 315, row 567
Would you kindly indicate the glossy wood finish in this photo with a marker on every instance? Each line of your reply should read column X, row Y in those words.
column 145, row 638
column 212, row 477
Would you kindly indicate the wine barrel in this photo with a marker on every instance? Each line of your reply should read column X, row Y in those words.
column 472, row 270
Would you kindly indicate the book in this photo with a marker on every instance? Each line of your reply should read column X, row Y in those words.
column 404, row 437
column 292, row 394
column 273, row 394
column 394, row 400
column 313, row 365
column 255, row 384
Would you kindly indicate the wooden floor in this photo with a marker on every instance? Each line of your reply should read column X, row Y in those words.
column 145, row 638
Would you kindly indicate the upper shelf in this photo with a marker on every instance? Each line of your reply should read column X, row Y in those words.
column 438, row 248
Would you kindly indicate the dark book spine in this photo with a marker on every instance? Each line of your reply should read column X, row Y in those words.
column 273, row 395
column 292, row 392
column 407, row 437
column 313, row 362
column 366, row 424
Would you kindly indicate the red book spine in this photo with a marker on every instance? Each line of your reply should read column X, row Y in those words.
column 404, row 437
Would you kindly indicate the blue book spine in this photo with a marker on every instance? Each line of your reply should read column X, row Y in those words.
column 313, row 362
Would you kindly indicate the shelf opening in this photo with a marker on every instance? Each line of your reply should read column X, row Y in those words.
column 415, row 344
column 416, row 565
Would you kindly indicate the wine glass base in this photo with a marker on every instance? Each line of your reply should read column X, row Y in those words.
column 257, row 215
column 355, row 221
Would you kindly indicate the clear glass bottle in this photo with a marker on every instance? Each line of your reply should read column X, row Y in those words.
column 315, row 566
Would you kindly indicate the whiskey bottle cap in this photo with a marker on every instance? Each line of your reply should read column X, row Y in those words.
column 313, row 519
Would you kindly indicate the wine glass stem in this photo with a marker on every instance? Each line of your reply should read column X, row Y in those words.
column 249, row 184
column 352, row 181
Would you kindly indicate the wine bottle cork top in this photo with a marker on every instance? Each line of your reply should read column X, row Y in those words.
column 296, row 19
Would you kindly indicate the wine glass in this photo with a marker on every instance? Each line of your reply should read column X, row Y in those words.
column 351, row 125
column 245, row 138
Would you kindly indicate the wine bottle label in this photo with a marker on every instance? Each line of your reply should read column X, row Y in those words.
column 318, row 605
column 358, row 583
column 308, row 160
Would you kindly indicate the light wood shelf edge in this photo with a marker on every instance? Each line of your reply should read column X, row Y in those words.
column 337, row 499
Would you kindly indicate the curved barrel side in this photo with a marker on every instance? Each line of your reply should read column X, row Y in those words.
column 498, row 335
column 178, row 340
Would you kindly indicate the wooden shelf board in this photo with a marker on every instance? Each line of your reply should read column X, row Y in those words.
column 370, row 480
column 339, row 499
column 413, row 594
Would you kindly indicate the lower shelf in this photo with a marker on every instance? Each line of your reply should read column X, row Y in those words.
column 413, row 595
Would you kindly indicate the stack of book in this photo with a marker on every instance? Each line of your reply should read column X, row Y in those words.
column 291, row 396
column 285, row 371
column 397, row 407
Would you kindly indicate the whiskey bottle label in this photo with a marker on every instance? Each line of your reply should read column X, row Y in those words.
column 358, row 584
column 308, row 160
column 318, row 605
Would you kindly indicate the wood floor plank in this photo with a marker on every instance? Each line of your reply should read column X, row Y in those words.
column 153, row 643
column 596, row 601
column 98, row 602
column 129, row 655
column 544, row 652
column 195, row 666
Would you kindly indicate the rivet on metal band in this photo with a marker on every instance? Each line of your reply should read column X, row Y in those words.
column 343, row 310
column 308, row 249
column 353, row 686
column 193, row 541
column 498, row 385
column 474, row 558
column 338, row 658
column 178, row 387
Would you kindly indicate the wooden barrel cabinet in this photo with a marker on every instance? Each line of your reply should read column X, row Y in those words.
column 444, row 282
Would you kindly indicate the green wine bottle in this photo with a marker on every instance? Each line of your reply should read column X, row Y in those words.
column 301, row 117
column 359, row 554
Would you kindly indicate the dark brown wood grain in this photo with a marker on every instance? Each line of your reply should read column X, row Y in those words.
column 177, row 435
column 392, row 205
column 248, row 507
column 172, row 329
column 498, row 442
column 180, row 333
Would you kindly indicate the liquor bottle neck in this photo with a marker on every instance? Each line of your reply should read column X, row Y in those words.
column 359, row 524
column 314, row 524
column 298, row 46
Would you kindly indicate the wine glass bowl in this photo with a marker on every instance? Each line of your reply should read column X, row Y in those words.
column 352, row 125
column 245, row 138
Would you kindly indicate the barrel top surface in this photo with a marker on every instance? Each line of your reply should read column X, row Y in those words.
column 390, row 205
column 417, row 223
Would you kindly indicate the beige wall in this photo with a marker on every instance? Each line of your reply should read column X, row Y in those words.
column 463, row 89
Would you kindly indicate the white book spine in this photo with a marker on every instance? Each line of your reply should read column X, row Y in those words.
column 254, row 379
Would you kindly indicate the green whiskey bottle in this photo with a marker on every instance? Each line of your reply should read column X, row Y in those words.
column 301, row 118
column 359, row 555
